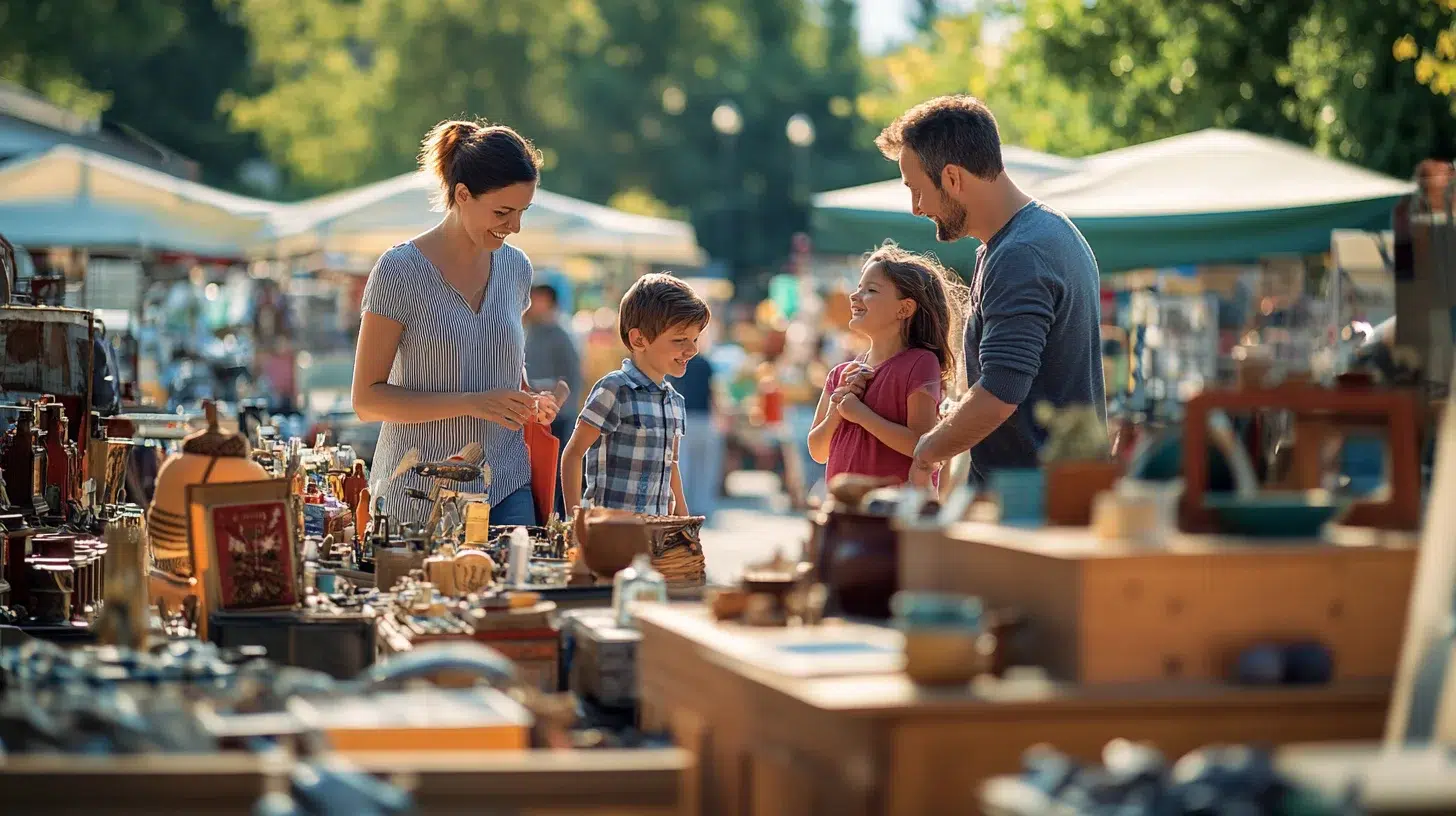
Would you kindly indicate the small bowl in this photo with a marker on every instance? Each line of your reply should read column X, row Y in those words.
column 945, row 657
column 1300, row 514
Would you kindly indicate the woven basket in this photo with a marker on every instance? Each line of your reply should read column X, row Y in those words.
column 677, row 548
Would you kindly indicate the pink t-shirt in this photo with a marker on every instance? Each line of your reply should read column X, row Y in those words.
column 853, row 449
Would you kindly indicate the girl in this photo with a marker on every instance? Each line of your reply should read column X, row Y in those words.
column 875, row 409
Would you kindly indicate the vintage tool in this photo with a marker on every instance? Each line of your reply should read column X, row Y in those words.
column 25, row 466
column 464, row 467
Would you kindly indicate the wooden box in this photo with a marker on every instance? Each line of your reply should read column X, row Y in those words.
column 1100, row 614
column 524, row 636
column 602, row 657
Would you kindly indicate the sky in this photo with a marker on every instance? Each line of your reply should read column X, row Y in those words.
column 886, row 22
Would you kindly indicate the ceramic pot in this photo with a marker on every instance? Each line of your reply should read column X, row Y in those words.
column 859, row 561
column 1072, row 487
column 1022, row 492
column 608, row 540
column 208, row 456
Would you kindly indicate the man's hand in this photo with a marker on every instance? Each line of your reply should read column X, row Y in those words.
column 921, row 473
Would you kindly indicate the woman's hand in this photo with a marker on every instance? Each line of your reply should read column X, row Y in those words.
column 506, row 407
column 546, row 407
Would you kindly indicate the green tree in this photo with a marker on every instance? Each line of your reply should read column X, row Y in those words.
column 618, row 93
column 1033, row 108
column 1435, row 64
column 43, row 43
column 926, row 13
column 171, row 92
column 1318, row 72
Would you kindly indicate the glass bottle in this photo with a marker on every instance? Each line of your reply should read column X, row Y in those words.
column 638, row 583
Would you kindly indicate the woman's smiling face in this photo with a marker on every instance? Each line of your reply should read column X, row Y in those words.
column 490, row 218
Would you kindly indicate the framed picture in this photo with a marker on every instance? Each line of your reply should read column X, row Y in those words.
column 244, row 539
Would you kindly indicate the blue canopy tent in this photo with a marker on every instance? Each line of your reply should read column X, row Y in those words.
column 1210, row 197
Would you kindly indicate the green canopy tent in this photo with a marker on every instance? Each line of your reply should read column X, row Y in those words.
column 1210, row 197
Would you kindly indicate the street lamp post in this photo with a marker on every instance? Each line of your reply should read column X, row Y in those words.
column 728, row 122
column 800, row 131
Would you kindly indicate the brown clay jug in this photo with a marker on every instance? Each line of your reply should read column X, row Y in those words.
column 608, row 540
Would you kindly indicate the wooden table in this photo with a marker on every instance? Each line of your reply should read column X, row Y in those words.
column 523, row 783
column 770, row 743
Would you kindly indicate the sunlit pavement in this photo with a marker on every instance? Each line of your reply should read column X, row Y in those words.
column 750, row 525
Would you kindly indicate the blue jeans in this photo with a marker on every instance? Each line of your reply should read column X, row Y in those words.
column 515, row 510
column 701, row 464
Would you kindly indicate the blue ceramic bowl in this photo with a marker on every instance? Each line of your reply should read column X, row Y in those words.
column 1293, row 514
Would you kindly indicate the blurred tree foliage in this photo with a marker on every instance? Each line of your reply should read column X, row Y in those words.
column 619, row 94
column 1317, row 72
column 1435, row 63
column 43, row 43
column 1034, row 108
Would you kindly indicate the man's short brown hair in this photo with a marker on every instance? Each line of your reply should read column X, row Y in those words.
column 947, row 130
column 658, row 302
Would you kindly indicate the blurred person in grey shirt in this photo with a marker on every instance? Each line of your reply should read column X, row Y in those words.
column 551, row 355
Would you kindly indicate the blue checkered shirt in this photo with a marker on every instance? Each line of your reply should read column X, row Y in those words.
column 630, row 466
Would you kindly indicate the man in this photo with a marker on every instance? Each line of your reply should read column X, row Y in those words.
column 551, row 355
column 1033, row 324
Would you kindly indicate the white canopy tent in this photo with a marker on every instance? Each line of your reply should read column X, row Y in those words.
column 73, row 197
column 353, row 227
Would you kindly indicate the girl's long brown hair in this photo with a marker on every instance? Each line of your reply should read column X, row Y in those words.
column 940, row 305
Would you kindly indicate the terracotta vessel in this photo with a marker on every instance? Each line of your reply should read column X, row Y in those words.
column 208, row 456
column 1072, row 486
column 608, row 540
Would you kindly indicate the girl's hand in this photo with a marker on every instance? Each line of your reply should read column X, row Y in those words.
column 506, row 407
column 851, row 409
column 856, row 376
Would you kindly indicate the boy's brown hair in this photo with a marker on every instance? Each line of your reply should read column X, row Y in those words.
column 656, row 303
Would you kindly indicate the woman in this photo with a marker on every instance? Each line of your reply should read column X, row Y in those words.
column 441, row 351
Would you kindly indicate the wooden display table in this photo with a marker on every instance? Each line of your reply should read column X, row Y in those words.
column 525, row 783
column 770, row 743
column 1102, row 613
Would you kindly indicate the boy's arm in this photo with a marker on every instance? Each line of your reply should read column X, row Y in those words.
column 598, row 416
column 679, row 502
column 576, row 448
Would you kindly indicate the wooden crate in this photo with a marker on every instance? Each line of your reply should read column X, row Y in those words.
column 1098, row 614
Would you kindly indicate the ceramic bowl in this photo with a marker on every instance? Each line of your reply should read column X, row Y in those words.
column 1292, row 514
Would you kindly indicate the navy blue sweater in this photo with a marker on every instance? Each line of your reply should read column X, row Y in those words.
column 1033, row 333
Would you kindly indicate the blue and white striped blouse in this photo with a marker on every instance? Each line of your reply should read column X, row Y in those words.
column 446, row 347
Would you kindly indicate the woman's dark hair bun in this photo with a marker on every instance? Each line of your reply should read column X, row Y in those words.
column 481, row 156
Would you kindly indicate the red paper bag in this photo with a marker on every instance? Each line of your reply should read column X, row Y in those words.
column 544, row 451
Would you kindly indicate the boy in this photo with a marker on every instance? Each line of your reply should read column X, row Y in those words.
column 630, row 426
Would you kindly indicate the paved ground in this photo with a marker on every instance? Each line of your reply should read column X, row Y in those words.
column 749, row 525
